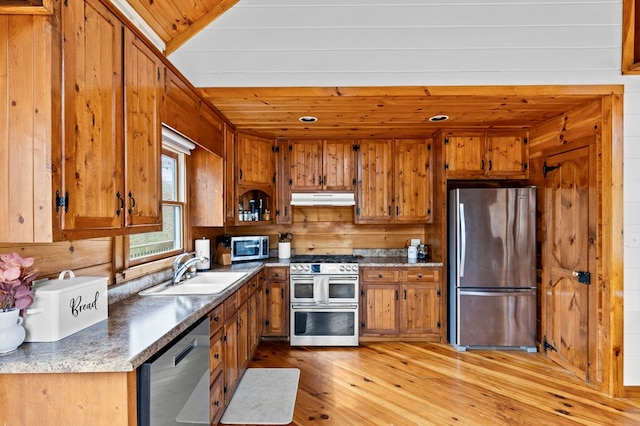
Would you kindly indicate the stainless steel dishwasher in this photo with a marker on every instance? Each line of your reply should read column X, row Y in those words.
column 173, row 386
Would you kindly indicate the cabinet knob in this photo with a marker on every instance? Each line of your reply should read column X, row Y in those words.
column 419, row 276
column 217, row 356
column 379, row 275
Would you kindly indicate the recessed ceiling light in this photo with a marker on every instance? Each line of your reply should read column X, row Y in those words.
column 308, row 119
column 437, row 118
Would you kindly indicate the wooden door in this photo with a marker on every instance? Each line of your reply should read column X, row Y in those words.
column 419, row 309
column 374, row 202
column 276, row 308
column 464, row 154
column 338, row 165
column 92, row 138
column 256, row 160
column 229, row 174
column 143, row 141
column 231, row 367
column 379, row 307
column 413, row 180
column 506, row 155
column 243, row 335
column 305, row 160
column 570, row 251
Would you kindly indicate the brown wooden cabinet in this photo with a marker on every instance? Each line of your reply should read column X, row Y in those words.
column 395, row 181
column 205, row 189
column 229, row 156
column 401, row 303
column 276, row 303
column 256, row 311
column 322, row 165
column 255, row 158
column 181, row 107
column 231, row 347
column 255, row 176
column 111, row 127
column 495, row 154
column 216, row 364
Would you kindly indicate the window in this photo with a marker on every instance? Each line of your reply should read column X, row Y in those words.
column 169, row 241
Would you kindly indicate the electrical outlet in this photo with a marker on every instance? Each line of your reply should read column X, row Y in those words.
column 634, row 240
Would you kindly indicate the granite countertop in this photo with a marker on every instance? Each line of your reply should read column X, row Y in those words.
column 140, row 326
column 136, row 329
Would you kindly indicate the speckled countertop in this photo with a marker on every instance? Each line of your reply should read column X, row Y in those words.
column 139, row 326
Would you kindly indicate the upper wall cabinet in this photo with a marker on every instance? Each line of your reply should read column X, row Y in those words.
column 255, row 178
column 395, row 181
column 181, row 107
column 111, row 134
column 29, row 63
column 322, row 165
column 495, row 154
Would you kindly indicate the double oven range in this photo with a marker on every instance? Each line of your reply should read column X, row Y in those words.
column 324, row 300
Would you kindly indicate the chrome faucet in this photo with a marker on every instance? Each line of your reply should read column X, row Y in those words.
column 179, row 268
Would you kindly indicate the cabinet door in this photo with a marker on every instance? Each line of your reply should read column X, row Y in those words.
column 255, row 319
column 283, row 193
column 420, row 312
column 211, row 134
column 507, row 155
column 276, row 307
column 413, row 180
column 231, row 367
column 464, row 154
column 143, row 141
column 375, row 180
column 205, row 189
column 92, row 132
column 305, row 159
column 243, row 335
column 256, row 160
column 216, row 399
column 229, row 173
column 338, row 165
column 181, row 107
column 379, row 306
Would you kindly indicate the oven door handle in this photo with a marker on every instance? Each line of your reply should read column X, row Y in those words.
column 332, row 278
column 323, row 306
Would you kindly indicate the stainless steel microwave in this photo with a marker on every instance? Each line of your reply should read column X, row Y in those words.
column 249, row 248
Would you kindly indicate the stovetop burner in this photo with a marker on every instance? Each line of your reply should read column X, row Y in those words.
column 323, row 258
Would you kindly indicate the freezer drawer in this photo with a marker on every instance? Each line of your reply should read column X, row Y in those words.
column 498, row 318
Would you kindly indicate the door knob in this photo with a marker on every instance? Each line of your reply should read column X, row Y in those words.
column 583, row 277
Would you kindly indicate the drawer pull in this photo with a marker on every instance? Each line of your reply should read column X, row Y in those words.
column 379, row 275
column 419, row 276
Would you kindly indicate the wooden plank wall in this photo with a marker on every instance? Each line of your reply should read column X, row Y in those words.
column 330, row 230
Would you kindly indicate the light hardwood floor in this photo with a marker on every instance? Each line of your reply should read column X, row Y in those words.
column 433, row 384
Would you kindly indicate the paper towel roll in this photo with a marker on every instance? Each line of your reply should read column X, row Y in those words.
column 203, row 249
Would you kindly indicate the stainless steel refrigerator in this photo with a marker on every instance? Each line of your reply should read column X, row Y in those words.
column 492, row 268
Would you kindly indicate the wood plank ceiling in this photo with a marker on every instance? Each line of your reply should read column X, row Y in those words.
column 358, row 112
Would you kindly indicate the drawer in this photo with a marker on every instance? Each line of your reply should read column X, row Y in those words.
column 216, row 318
column 277, row 273
column 243, row 293
column 421, row 275
column 215, row 351
column 386, row 275
column 231, row 305
column 252, row 284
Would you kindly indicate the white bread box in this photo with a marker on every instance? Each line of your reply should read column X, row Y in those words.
column 65, row 306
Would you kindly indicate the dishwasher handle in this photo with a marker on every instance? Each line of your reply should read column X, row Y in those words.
column 183, row 353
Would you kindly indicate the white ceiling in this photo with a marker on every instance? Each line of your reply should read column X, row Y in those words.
column 409, row 42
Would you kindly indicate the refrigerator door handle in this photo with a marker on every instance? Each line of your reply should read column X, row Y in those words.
column 497, row 293
column 462, row 241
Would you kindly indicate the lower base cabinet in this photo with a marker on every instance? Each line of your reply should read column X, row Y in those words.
column 401, row 303
column 276, row 303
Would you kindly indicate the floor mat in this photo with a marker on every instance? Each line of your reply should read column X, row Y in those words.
column 265, row 396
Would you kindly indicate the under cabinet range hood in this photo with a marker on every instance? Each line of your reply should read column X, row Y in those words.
column 323, row 199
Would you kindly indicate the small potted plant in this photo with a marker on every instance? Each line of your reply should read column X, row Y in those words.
column 16, row 276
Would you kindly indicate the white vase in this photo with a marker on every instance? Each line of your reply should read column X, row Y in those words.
column 284, row 250
column 12, row 332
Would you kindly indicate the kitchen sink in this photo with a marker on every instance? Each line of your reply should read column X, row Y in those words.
column 202, row 283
